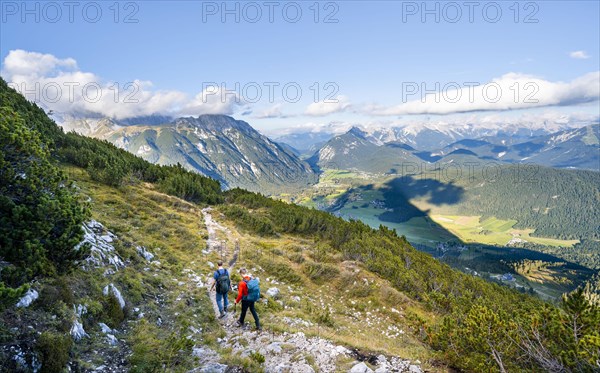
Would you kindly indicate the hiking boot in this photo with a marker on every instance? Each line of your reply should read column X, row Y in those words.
column 258, row 329
column 222, row 314
column 238, row 323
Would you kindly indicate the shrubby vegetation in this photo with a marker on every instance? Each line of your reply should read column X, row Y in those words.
column 40, row 217
column 54, row 350
column 249, row 220
column 591, row 289
column 483, row 326
column 113, row 166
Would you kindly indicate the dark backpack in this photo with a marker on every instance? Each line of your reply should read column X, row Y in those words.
column 223, row 282
column 253, row 290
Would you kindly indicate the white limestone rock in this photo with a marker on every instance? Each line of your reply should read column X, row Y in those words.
column 274, row 348
column 77, row 331
column 28, row 298
column 414, row 369
column 111, row 340
column 112, row 289
column 102, row 253
column 105, row 328
column 145, row 253
column 273, row 292
column 361, row 368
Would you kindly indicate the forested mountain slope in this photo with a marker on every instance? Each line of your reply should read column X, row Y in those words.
column 557, row 203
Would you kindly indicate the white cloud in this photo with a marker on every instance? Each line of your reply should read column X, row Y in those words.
column 59, row 85
column 333, row 127
column 580, row 55
column 509, row 92
column 272, row 112
column 322, row 108
column 22, row 63
column 213, row 100
column 45, row 75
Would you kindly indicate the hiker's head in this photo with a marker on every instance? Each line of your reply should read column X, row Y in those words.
column 220, row 263
column 243, row 271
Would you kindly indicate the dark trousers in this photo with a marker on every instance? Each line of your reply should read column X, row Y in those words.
column 245, row 305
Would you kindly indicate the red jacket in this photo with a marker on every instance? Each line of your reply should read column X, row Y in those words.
column 242, row 289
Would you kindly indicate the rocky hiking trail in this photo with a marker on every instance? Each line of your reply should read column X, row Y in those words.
column 101, row 348
column 283, row 352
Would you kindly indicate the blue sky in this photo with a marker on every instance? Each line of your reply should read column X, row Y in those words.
column 370, row 55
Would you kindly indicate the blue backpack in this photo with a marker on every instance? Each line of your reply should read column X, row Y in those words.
column 253, row 290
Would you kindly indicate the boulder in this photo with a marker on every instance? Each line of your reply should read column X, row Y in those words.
column 414, row 369
column 105, row 328
column 111, row 340
column 111, row 288
column 275, row 348
column 361, row 368
column 77, row 331
column 273, row 292
column 28, row 298
column 145, row 253
column 213, row 368
column 341, row 350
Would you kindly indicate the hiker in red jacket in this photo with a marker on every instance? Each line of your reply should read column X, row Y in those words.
column 248, row 297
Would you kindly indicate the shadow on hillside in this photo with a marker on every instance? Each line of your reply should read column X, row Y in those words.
column 397, row 193
column 407, row 187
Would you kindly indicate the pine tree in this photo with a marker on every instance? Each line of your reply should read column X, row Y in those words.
column 581, row 332
column 40, row 217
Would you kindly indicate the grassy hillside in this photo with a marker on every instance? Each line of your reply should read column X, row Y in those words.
column 457, row 300
column 140, row 214
column 140, row 217
column 320, row 294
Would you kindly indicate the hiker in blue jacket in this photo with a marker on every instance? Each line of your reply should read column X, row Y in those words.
column 248, row 294
column 223, row 285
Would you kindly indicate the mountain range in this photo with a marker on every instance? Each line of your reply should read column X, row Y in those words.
column 217, row 146
column 357, row 150
column 385, row 150
column 237, row 155
column 574, row 148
